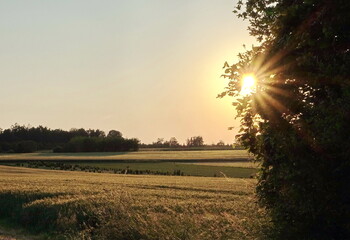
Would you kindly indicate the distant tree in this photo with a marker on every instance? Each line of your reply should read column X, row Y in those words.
column 20, row 138
column 160, row 141
column 96, row 133
column 196, row 141
column 81, row 132
column 220, row 143
column 114, row 133
column 173, row 142
column 100, row 144
column 166, row 144
column 297, row 120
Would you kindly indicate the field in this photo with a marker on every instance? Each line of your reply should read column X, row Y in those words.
column 241, row 164
column 186, row 169
column 78, row 205
column 211, row 155
column 214, row 163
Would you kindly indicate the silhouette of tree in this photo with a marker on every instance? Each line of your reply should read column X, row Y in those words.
column 195, row 141
column 296, row 121
column 173, row 142
column 114, row 133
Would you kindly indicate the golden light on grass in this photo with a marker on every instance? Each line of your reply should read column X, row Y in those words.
column 151, row 205
column 248, row 84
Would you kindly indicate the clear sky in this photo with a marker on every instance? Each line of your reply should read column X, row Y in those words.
column 148, row 68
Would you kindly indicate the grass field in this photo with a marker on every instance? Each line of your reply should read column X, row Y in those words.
column 78, row 205
column 214, row 163
column 186, row 169
column 240, row 164
column 214, row 155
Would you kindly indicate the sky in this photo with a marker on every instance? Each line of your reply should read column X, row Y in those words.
column 148, row 68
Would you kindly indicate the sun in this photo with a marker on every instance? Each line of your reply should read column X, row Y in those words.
column 248, row 84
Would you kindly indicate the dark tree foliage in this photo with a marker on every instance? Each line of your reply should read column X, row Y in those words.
column 29, row 139
column 297, row 121
column 161, row 143
column 100, row 144
column 114, row 133
column 196, row 141
column 173, row 142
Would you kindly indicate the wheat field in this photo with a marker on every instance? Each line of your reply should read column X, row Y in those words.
column 78, row 205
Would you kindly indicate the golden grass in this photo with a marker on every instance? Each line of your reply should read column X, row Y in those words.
column 108, row 206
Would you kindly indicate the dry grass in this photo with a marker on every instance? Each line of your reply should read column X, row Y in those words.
column 105, row 206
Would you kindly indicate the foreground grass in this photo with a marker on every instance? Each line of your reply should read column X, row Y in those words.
column 77, row 205
column 141, row 155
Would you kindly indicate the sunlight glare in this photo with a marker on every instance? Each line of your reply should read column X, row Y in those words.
column 248, row 84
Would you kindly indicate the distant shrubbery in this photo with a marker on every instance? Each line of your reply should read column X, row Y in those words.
column 26, row 139
column 99, row 144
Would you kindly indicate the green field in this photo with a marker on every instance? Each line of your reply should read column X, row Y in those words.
column 79, row 205
column 187, row 169
column 241, row 163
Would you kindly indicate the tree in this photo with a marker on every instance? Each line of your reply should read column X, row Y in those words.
column 296, row 121
column 96, row 133
column 173, row 142
column 81, row 132
column 196, row 141
column 158, row 143
column 114, row 133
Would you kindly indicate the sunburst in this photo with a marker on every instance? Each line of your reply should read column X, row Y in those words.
column 248, row 84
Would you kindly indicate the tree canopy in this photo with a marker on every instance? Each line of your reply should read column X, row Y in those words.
column 296, row 121
column 24, row 139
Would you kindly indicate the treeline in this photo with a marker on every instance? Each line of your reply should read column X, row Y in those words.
column 196, row 142
column 99, row 144
column 25, row 139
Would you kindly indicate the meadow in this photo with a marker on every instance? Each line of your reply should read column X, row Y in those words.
column 79, row 205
